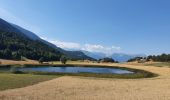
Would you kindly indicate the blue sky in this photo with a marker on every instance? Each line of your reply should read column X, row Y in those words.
column 108, row 26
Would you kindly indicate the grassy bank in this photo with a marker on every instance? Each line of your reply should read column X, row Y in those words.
column 142, row 74
column 10, row 81
column 136, row 73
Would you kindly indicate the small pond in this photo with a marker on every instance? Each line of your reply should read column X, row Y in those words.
column 70, row 69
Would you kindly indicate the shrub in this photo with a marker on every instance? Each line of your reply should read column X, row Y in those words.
column 63, row 60
column 41, row 60
column 107, row 60
column 15, row 70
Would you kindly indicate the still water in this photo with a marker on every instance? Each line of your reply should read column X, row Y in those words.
column 76, row 70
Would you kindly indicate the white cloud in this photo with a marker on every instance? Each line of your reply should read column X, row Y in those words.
column 8, row 16
column 116, row 48
column 108, row 50
column 66, row 45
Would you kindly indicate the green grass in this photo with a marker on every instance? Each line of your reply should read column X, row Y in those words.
column 160, row 64
column 136, row 75
column 11, row 81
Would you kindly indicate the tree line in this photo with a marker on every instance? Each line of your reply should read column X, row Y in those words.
column 15, row 46
column 107, row 59
column 157, row 58
column 160, row 58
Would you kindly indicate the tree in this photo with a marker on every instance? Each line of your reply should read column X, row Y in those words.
column 16, row 56
column 63, row 59
column 7, row 54
column 135, row 59
column 160, row 58
column 14, row 45
column 41, row 60
column 107, row 60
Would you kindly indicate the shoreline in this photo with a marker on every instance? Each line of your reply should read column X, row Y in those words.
column 84, row 88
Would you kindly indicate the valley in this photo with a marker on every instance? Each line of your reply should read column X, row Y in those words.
column 84, row 50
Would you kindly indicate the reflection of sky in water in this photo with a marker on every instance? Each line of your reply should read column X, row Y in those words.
column 76, row 70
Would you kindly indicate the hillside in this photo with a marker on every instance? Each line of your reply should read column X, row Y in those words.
column 73, row 55
column 13, row 46
column 18, row 42
column 77, row 55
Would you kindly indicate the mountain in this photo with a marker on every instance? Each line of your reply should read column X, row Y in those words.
column 30, row 45
column 77, row 55
column 29, row 34
column 95, row 55
column 73, row 55
column 14, row 44
column 32, row 35
column 121, row 57
column 5, row 26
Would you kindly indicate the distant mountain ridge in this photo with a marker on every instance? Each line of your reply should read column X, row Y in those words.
column 121, row 57
column 74, row 55
column 26, row 32
column 71, row 54
column 32, row 35
column 96, row 55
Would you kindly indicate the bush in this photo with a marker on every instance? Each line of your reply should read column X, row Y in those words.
column 107, row 60
column 41, row 60
column 63, row 60
column 15, row 70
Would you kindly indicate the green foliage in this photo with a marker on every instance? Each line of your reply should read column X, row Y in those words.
column 157, row 58
column 63, row 60
column 23, row 58
column 77, row 55
column 11, row 81
column 107, row 60
column 15, row 70
column 135, row 59
column 160, row 58
column 14, row 46
column 41, row 60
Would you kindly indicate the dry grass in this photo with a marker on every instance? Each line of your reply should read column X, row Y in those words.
column 80, row 88
column 12, row 62
column 156, row 64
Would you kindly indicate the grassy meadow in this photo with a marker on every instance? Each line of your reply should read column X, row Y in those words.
column 11, row 81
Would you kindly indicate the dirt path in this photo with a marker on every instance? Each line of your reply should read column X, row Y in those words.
column 80, row 88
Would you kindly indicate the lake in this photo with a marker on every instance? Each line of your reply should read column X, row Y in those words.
column 69, row 69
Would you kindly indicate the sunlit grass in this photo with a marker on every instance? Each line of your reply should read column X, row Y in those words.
column 75, row 62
